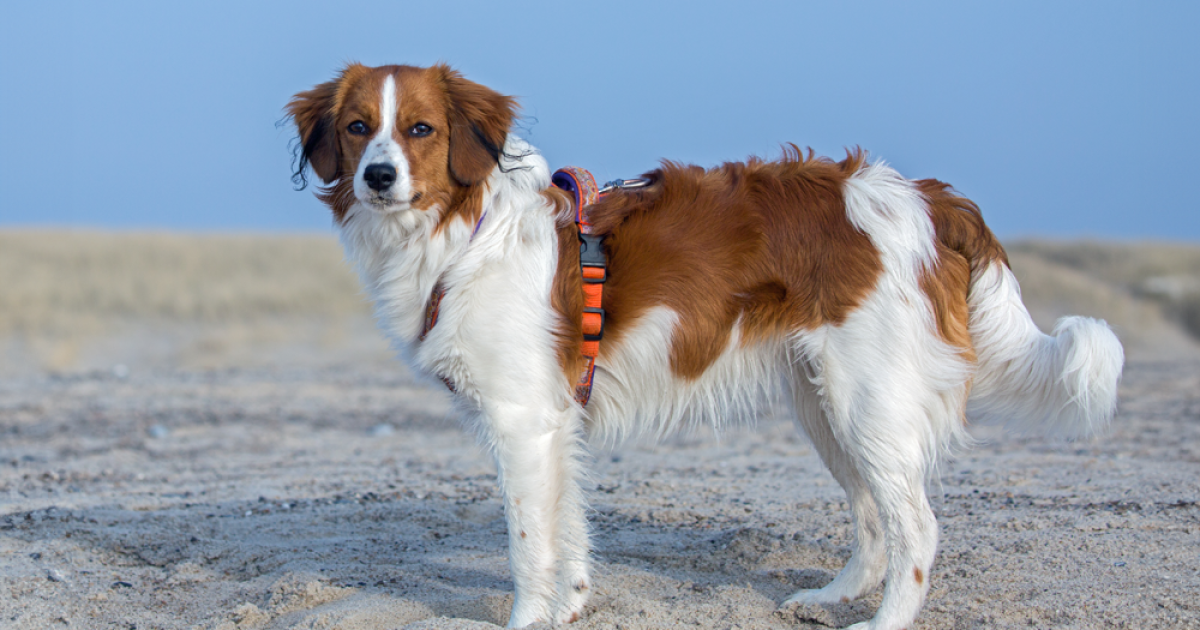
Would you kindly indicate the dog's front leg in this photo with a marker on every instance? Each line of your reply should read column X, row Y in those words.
column 573, row 550
column 529, row 463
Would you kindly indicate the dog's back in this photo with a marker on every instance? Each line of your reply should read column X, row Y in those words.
column 774, row 252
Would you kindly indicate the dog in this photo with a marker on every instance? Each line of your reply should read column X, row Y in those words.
column 882, row 308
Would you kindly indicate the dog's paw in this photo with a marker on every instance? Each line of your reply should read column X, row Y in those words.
column 810, row 606
column 572, row 601
column 566, row 617
column 521, row 622
column 815, row 597
column 523, row 618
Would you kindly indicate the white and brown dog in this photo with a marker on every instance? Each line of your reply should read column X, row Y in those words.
column 882, row 307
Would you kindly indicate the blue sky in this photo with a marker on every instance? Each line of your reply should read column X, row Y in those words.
column 1062, row 119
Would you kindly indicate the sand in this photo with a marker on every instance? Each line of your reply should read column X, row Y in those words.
column 286, row 473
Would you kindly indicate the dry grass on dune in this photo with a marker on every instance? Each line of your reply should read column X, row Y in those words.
column 1123, row 263
column 84, row 300
column 62, row 280
column 1052, row 290
column 1160, row 277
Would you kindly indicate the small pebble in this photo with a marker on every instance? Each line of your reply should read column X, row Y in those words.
column 158, row 431
column 381, row 430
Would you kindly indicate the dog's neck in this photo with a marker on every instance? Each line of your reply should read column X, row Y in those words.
column 401, row 256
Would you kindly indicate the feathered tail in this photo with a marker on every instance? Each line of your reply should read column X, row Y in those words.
column 1063, row 384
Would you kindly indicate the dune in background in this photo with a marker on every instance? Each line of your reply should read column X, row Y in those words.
column 1148, row 292
column 87, row 300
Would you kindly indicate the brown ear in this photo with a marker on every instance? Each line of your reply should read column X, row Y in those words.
column 479, row 122
column 314, row 113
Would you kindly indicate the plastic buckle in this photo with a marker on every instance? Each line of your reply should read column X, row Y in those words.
column 591, row 254
column 600, row 335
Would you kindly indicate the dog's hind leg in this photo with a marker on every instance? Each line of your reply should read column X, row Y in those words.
column 897, row 485
column 884, row 475
column 868, row 560
column 892, row 399
column 881, row 398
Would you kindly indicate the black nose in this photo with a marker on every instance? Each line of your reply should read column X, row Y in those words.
column 380, row 176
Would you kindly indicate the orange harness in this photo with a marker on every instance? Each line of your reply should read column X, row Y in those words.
column 593, row 267
column 580, row 184
column 593, row 264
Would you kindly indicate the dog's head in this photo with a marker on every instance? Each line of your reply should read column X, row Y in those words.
column 397, row 138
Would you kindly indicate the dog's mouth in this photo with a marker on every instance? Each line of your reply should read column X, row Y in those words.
column 389, row 202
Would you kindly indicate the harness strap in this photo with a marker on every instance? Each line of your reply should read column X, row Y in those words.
column 593, row 268
column 434, row 305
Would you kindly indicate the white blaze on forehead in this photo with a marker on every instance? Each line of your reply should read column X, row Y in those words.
column 387, row 110
column 383, row 149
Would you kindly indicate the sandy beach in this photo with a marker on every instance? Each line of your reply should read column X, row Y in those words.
column 208, row 433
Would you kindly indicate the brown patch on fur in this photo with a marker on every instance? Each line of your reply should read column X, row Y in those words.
column 574, row 617
column 959, row 225
column 315, row 114
column 475, row 122
column 479, row 122
column 469, row 123
column 566, row 296
column 845, row 600
column 522, row 533
column 920, row 577
column 311, row 113
column 964, row 246
column 466, row 205
column 946, row 286
column 339, row 197
column 767, row 242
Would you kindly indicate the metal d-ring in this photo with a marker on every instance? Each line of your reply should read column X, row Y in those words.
column 622, row 184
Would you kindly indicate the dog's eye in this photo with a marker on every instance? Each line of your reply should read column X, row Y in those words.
column 358, row 128
column 420, row 130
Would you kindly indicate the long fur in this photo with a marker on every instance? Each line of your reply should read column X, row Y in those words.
column 882, row 308
column 1060, row 384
